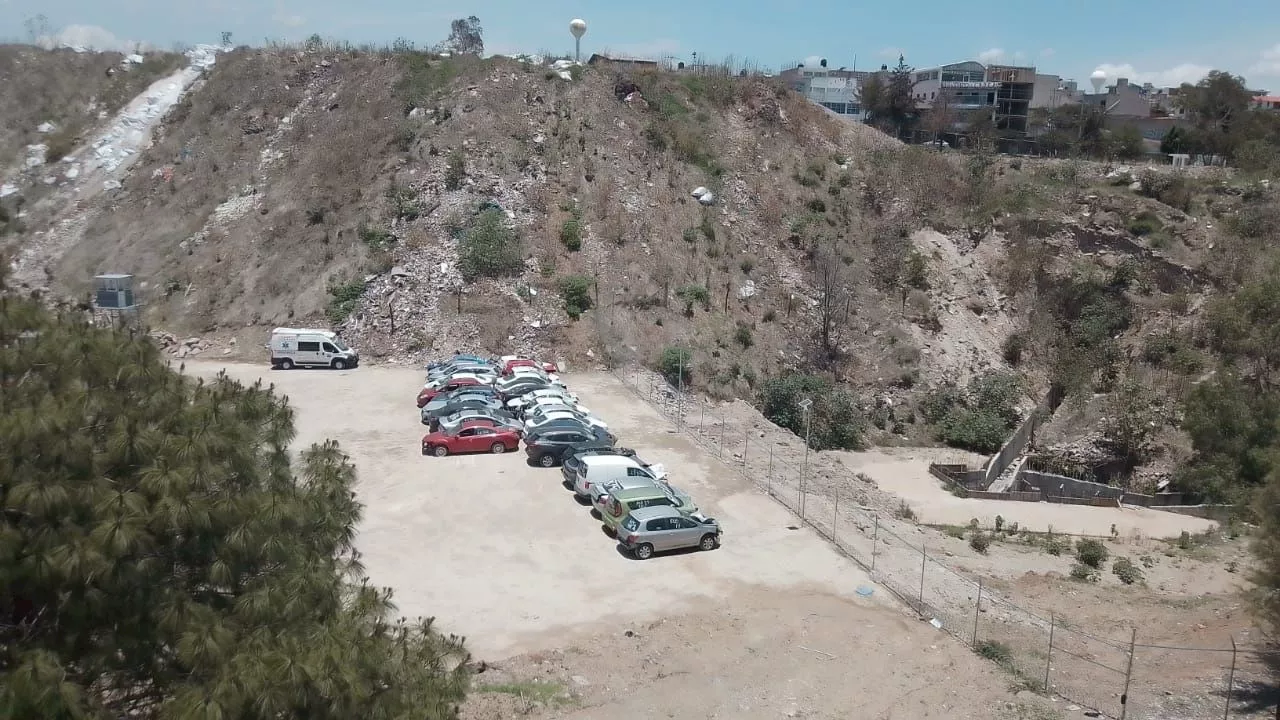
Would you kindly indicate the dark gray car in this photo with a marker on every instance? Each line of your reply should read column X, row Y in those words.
column 429, row 413
column 659, row 528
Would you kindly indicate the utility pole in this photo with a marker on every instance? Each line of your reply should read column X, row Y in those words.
column 804, row 466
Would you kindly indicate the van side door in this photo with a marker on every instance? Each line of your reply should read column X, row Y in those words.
column 308, row 352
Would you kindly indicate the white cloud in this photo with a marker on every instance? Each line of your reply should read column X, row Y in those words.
column 90, row 37
column 289, row 20
column 1047, row 52
column 1268, row 62
column 992, row 55
column 891, row 52
column 1171, row 77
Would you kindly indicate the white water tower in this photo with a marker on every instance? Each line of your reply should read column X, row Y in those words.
column 577, row 28
column 1097, row 80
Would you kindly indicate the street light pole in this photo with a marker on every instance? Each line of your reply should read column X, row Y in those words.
column 804, row 465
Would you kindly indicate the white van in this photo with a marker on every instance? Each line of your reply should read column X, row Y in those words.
column 596, row 470
column 307, row 347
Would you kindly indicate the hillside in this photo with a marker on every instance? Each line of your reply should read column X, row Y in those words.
column 424, row 204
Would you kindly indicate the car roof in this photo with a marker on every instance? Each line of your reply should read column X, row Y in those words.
column 478, row 422
column 654, row 512
column 602, row 460
column 648, row 490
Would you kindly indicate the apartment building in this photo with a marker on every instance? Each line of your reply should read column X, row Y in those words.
column 1267, row 102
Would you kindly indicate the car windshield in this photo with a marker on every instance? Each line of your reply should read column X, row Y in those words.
column 630, row 524
column 340, row 345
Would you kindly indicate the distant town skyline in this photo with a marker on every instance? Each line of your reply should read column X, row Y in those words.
column 1164, row 43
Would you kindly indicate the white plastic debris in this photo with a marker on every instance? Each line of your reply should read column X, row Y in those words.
column 8, row 189
column 45, row 127
column 134, row 59
column 699, row 191
column 747, row 290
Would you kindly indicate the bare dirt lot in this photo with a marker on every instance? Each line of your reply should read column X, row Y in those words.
column 904, row 473
column 770, row 624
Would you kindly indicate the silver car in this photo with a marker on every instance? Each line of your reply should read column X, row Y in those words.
column 658, row 528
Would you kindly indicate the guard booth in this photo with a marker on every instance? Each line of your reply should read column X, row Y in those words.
column 114, row 304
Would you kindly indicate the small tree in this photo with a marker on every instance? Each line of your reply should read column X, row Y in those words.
column 575, row 290
column 691, row 294
column 834, row 421
column 1129, row 144
column 466, row 37
column 455, row 170
column 164, row 553
column 490, row 248
column 675, row 365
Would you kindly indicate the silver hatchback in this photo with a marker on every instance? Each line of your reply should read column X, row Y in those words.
column 661, row 527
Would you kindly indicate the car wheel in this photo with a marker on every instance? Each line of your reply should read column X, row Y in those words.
column 708, row 542
column 339, row 365
column 441, row 451
column 643, row 551
column 547, row 461
column 498, row 448
column 286, row 364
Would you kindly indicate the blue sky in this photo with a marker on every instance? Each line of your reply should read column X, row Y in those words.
column 1160, row 41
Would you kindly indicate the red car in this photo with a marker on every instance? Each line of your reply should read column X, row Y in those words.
column 473, row 436
column 528, row 362
column 428, row 394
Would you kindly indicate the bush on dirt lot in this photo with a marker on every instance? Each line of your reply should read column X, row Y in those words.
column 1091, row 552
column 834, row 421
column 490, row 248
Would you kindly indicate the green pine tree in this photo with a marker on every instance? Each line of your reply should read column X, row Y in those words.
column 161, row 556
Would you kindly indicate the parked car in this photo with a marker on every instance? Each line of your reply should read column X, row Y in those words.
column 309, row 347
column 434, row 411
column 532, row 396
column 532, row 372
column 614, row 504
column 509, row 361
column 568, row 423
column 569, row 466
column 472, row 436
column 484, row 392
column 452, row 366
column 481, row 377
column 428, row 393
column 550, row 447
column 596, row 473
column 547, row 403
column 563, row 418
column 459, row 358
column 519, row 387
column 658, row 528
column 501, row 418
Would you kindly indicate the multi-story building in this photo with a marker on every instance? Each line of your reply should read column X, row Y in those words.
column 970, row 86
column 838, row 90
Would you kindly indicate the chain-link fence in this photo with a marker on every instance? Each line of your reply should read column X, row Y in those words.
column 1120, row 677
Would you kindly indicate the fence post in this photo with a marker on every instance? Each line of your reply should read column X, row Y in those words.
column 835, row 514
column 1048, row 657
column 1231, row 680
column 703, row 418
column 977, row 608
column 1128, row 676
column 924, row 560
column 875, row 540
column 721, row 432
column 769, row 475
column 746, row 440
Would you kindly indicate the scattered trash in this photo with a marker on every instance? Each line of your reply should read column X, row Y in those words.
column 699, row 191
column 708, row 199
column 35, row 156
column 747, row 290
column 936, row 623
column 865, row 590
column 825, row 655
column 8, row 189
column 45, row 127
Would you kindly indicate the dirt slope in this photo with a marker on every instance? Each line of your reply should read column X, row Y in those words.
column 337, row 187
